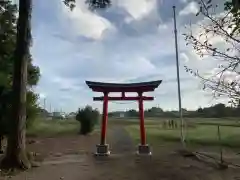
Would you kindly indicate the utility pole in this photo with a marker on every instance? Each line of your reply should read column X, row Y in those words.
column 178, row 79
column 44, row 103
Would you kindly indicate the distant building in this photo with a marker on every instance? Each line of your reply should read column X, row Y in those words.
column 117, row 114
column 58, row 115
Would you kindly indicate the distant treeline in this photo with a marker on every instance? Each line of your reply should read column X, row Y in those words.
column 216, row 111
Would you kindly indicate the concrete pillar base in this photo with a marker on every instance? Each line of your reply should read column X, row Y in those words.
column 102, row 150
column 144, row 150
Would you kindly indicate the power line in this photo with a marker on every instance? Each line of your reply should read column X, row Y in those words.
column 122, row 102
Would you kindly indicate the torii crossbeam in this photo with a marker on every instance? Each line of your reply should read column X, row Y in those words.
column 106, row 88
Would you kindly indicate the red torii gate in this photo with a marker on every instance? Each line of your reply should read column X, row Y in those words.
column 106, row 88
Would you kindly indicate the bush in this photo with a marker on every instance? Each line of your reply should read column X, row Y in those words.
column 88, row 118
column 5, row 110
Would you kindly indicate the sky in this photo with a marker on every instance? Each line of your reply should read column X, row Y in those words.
column 132, row 41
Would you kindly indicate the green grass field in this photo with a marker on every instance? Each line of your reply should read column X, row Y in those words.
column 56, row 127
column 204, row 135
column 201, row 132
column 46, row 128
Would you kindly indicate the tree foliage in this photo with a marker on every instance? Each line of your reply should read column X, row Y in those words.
column 132, row 113
column 218, row 28
column 93, row 4
column 215, row 111
column 88, row 118
column 233, row 7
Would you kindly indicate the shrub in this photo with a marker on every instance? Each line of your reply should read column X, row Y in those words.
column 88, row 118
column 5, row 109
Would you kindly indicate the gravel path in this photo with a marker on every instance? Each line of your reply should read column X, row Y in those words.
column 122, row 164
column 120, row 141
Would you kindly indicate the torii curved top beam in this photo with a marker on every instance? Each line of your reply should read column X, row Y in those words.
column 123, row 87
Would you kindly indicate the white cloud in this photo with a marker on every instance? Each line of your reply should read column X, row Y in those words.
column 42, row 95
column 184, row 1
column 184, row 57
column 162, row 27
column 138, row 66
column 65, row 83
column 86, row 23
column 191, row 8
column 197, row 30
column 137, row 8
column 67, row 61
column 226, row 76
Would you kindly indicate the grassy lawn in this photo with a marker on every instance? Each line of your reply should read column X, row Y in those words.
column 204, row 131
column 46, row 128
column 201, row 134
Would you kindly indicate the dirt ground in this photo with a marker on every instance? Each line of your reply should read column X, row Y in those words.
column 71, row 158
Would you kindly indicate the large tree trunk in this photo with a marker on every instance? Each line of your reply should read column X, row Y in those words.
column 16, row 156
column 1, row 144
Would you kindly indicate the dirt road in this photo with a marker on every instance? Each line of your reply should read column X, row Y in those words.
column 71, row 158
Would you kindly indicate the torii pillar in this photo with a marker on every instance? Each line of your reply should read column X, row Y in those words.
column 106, row 88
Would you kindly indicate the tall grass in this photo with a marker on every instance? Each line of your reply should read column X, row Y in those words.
column 48, row 128
column 198, row 134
